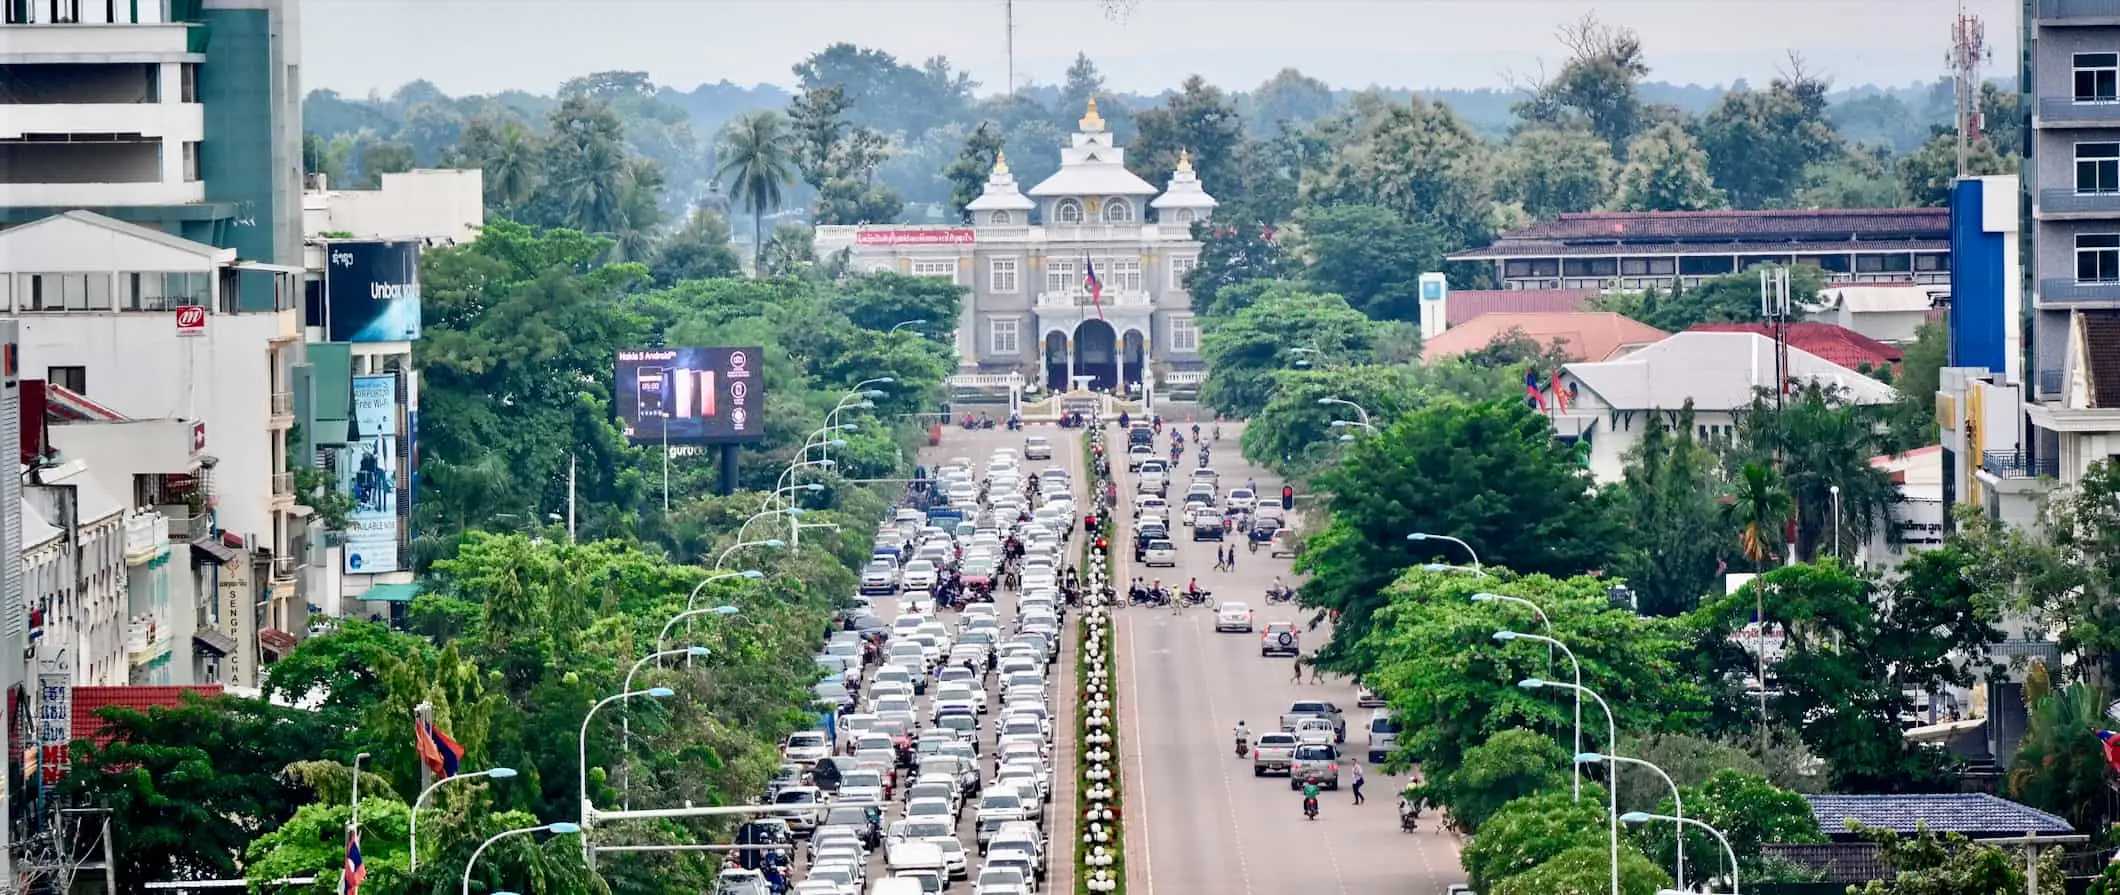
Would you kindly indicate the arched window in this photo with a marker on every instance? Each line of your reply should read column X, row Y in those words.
column 1118, row 211
column 1185, row 215
column 997, row 218
column 1068, row 211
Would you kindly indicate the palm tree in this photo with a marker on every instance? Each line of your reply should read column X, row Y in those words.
column 1758, row 508
column 2060, row 764
column 757, row 160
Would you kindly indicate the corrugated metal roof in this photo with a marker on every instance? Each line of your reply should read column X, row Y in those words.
column 1972, row 814
column 1831, row 341
column 1716, row 371
column 1461, row 306
column 1585, row 335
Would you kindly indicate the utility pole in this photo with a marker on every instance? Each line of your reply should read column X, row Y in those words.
column 571, row 463
column 1008, row 15
column 1968, row 50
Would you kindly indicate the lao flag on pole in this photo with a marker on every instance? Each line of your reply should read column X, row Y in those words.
column 2112, row 747
column 1532, row 393
column 356, row 871
column 1094, row 285
column 1560, row 395
column 442, row 755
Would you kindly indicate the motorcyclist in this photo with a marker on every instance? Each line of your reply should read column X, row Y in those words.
column 1243, row 735
column 1218, row 432
column 1310, row 797
column 1196, row 431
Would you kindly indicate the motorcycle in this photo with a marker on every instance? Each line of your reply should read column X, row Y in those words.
column 1310, row 807
column 1280, row 595
column 1243, row 747
column 1409, row 822
column 1015, row 424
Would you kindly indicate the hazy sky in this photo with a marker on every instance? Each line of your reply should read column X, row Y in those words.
column 477, row 46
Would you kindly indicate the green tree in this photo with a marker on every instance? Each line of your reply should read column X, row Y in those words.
column 1599, row 87
column 1748, row 810
column 1080, row 84
column 701, row 249
column 1489, row 473
column 1822, row 441
column 1247, row 349
column 758, row 162
column 1949, row 864
column 1760, row 143
column 1530, row 831
column 1926, row 175
column 1199, row 118
column 1757, row 507
column 1289, row 97
column 2079, row 597
column 1417, row 159
column 1920, row 366
column 379, row 159
column 341, row 670
column 880, row 301
column 1858, row 177
column 1678, row 538
column 2060, row 765
column 1587, row 870
column 1369, row 255
column 1552, row 172
column 968, row 173
column 1231, row 256
column 1511, row 765
column 1666, row 171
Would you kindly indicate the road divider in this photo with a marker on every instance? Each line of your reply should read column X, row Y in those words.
column 1100, row 859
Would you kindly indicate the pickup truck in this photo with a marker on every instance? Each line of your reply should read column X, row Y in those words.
column 1273, row 753
column 1311, row 708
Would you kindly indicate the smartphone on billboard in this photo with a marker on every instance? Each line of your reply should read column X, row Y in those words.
column 681, row 385
column 707, row 394
column 650, row 383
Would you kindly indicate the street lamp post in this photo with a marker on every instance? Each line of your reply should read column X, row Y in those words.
column 686, row 615
column 1425, row 536
column 413, row 839
column 1447, row 567
column 583, row 754
column 905, row 323
column 750, row 574
column 1835, row 489
column 1678, row 807
column 1612, row 772
column 625, row 719
column 1359, row 412
column 554, row 827
column 1552, row 643
column 762, row 514
column 1729, row 854
column 774, row 543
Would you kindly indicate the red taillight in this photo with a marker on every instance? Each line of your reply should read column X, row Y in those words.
column 1333, row 768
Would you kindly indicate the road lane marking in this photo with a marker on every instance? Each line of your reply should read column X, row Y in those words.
column 1229, row 790
column 1139, row 786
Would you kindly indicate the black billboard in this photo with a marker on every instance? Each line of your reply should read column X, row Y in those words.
column 690, row 395
column 371, row 291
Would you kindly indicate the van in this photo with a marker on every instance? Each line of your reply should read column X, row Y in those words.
column 914, row 855
column 1383, row 735
column 896, row 885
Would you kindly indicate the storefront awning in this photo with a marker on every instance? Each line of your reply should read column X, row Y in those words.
column 390, row 593
column 207, row 548
column 276, row 641
column 213, row 643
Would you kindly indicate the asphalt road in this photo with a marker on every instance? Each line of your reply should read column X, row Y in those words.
column 1198, row 821
column 979, row 446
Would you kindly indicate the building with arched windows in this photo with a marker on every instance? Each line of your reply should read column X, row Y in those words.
column 1027, row 260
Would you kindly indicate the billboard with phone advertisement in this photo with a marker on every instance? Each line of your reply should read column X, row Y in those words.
column 368, row 471
column 371, row 291
column 691, row 395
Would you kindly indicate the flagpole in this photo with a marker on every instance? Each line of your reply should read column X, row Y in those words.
column 353, row 823
column 422, row 717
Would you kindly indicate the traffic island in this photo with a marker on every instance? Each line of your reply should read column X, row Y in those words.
column 1100, row 860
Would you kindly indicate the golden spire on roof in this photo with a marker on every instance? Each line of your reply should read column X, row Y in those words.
column 1092, row 122
column 1185, row 161
column 1000, row 161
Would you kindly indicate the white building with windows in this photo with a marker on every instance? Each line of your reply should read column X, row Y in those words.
column 177, row 397
column 1026, row 261
column 74, row 566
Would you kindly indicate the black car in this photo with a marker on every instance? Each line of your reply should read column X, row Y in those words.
column 1207, row 529
column 1263, row 527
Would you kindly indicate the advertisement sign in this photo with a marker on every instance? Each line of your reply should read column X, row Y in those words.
column 191, row 321
column 239, row 619
column 55, row 719
column 371, row 291
column 955, row 236
column 1920, row 522
column 368, row 472
column 691, row 395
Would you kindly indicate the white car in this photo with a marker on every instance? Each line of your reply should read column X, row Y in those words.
column 918, row 575
column 1233, row 617
column 807, row 747
column 1037, row 447
column 1160, row 552
column 1243, row 499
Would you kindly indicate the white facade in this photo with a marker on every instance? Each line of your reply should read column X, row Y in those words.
column 79, row 583
column 1890, row 314
column 1920, row 516
column 14, row 608
column 144, row 324
column 1031, row 310
column 448, row 205
column 81, row 76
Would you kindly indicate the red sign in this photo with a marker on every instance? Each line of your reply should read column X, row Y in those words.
column 959, row 236
column 191, row 321
column 198, row 437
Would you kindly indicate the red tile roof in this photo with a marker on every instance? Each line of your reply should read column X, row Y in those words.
column 89, row 700
column 1586, row 335
column 2101, row 347
column 1739, row 231
column 1831, row 341
column 1463, row 305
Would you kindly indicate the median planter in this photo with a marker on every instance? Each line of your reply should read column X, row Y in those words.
column 1100, row 852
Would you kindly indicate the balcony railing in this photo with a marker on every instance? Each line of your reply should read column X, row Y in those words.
column 284, row 567
column 2061, row 290
column 1112, row 298
column 2064, row 110
column 283, row 484
column 2019, row 465
column 2049, row 383
column 2059, row 202
column 2045, row 651
column 2091, row 12
column 283, row 403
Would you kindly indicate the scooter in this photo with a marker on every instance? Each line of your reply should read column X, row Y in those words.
column 1310, row 807
column 1243, row 747
column 1409, row 822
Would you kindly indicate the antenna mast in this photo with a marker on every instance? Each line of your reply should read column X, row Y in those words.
column 1968, row 50
column 1008, row 8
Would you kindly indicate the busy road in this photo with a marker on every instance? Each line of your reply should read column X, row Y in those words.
column 1199, row 820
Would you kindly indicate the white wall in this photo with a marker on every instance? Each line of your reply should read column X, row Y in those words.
column 1611, row 442
column 427, row 203
column 85, row 614
column 137, row 366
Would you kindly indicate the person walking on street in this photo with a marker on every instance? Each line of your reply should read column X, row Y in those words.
column 1358, row 781
column 1232, row 557
column 1299, row 669
column 1313, row 670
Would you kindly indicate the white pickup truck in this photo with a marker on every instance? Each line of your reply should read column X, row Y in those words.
column 1273, row 752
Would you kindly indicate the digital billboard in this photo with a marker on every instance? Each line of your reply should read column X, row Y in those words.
column 691, row 395
column 368, row 472
column 371, row 291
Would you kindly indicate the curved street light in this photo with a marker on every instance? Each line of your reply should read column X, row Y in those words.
column 1551, row 645
column 1640, row 817
column 582, row 745
column 773, row 543
column 413, row 839
column 747, row 574
column 1612, row 768
column 554, row 827
column 1359, row 411
column 905, row 323
column 762, row 514
column 1425, row 536
column 1678, row 806
column 625, row 720
column 1447, row 567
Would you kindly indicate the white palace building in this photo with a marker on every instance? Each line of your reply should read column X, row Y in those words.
column 1030, row 313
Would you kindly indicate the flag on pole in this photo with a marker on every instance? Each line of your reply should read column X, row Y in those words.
column 1094, row 285
column 356, row 871
column 1532, row 394
column 2112, row 747
column 1560, row 395
column 441, row 754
